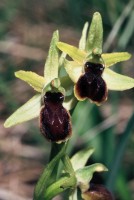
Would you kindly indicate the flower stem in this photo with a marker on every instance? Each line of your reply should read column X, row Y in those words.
column 55, row 149
column 43, row 181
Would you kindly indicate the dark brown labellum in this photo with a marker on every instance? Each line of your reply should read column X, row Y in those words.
column 55, row 122
column 91, row 85
column 97, row 192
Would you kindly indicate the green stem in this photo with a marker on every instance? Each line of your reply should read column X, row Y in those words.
column 63, row 183
column 43, row 181
column 55, row 149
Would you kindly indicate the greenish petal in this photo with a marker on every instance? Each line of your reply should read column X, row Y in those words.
column 74, row 70
column 52, row 61
column 85, row 174
column 117, row 81
column 95, row 35
column 33, row 79
column 80, row 159
column 83, row 39
column 28, row 111
column 75, row 53
column 113, row 58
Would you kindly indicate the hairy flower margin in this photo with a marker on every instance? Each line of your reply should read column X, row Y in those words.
column 90, row 49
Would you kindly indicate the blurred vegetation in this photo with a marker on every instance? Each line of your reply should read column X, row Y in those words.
column 25, row 31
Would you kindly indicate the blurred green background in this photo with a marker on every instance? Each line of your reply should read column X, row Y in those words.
column 26, row 28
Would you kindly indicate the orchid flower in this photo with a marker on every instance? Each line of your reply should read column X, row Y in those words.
column 89, row 69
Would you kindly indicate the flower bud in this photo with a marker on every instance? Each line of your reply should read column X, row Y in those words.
column 55, row 120
column 97, row 192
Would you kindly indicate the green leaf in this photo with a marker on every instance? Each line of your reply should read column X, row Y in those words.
column 59, row 186
column 43, row 180
column 28, row 111
column 33, row 79
column 117, row 161
column 117, row 81
column 52, row 62
column 80, row 159
column 84, row 175
column 73, row 69
column 75, row 53
column 113, row 58
column 95, row 35
column 83, row 39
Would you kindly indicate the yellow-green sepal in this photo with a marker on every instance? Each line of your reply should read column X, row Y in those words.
column 80, row 159
column 52, row 61
column 113, row 58
column 95, row 35
column 76, row 54
column 33, row 79
column 117, row 81
column 28, row 111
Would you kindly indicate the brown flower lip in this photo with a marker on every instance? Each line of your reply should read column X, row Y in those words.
column 97, row 192
column 91, row 85
column 55, row 123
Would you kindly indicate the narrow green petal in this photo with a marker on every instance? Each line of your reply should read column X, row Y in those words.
column 28, row 111
column 33, row 79
column 95, row 35
column 52, row 62
column 113, row 58
column 80, row 159
column 75, row 53
column 83, row 39
column 117, row 81
column 73, row 69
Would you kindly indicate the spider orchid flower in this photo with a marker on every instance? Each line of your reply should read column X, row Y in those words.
column 89, row 69
column 49, row 103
